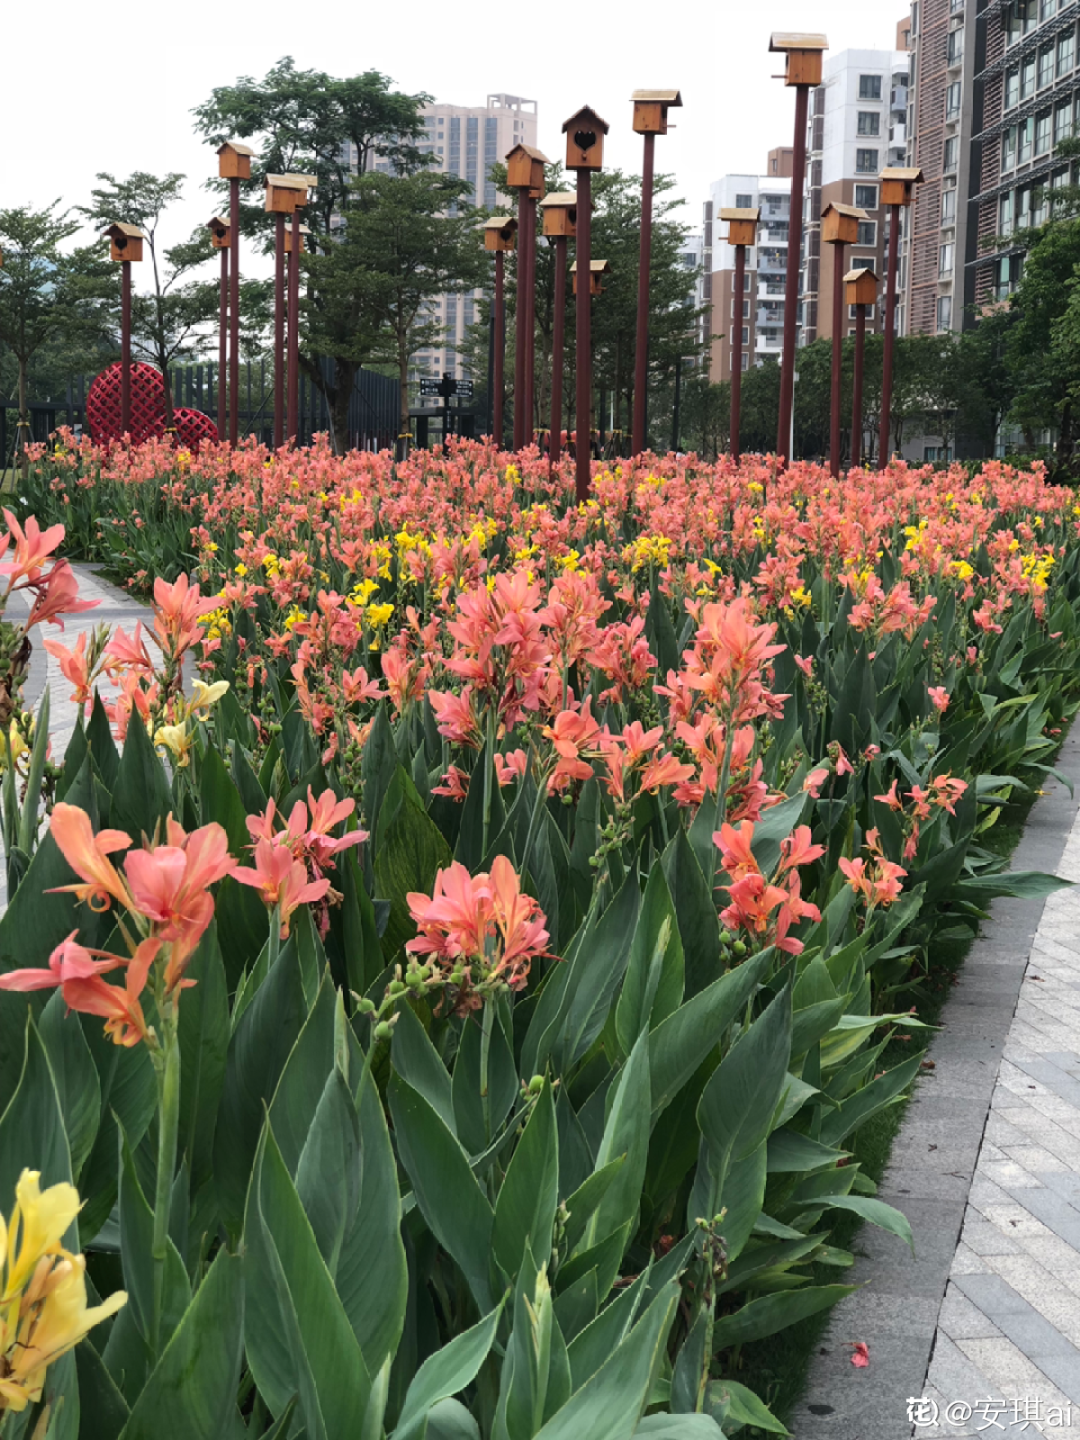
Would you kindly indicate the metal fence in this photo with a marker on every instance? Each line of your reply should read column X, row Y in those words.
column 373, row 421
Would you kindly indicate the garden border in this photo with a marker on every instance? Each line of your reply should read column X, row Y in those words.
column 932, row 1163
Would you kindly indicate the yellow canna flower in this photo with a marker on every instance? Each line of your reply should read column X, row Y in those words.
column 203, row 695
column 38, row 1224
column 177, row 739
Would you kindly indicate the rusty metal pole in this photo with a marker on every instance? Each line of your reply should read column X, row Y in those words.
column 234, row 310
column 641, row 344
column 528, row 240
column 791, row 289
column 125, row 347
column 223, row 342
column 856, row 387
column 837, row 357
column 557, row 340
column 294, row 329
column 279, row 333
column 500, row 347
column 519, row 320
column 890, row 326
column 736, row 352
column 583, row 317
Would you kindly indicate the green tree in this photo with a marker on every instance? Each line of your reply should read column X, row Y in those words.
column 706, row 415
column 171, row 322
column 48, row 296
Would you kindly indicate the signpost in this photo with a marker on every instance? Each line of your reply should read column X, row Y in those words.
column 444, row 390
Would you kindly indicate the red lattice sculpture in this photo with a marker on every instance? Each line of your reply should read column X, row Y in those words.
column 147, row 405
column 147, row 410
column 192, row 428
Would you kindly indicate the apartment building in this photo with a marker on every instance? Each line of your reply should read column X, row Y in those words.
column 857, row 126
column 760, row 308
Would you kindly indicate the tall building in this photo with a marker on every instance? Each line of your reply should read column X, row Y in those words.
column 468, row 141
column 760, row 309
column 857, row 126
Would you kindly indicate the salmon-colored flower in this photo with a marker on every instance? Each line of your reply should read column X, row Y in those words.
column 87, row 854
column 33, row 546
column 281, row 880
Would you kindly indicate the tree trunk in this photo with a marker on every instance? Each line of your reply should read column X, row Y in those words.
column 403, row 392
column 338, row 398
column 1065, row 435
column 170, row 424
column 24, row 420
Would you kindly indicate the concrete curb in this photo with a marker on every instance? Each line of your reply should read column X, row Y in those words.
column 932, row 1164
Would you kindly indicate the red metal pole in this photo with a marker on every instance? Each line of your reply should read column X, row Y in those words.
column 223, row 339
column 519, row 319
column 736, row 352
column 557, row 337
column 125, row 347
column 890, row 326
column 583, row 316
column 856, row 387
column 791, row 290
column 641, row 343
column 294, row 329
column 500, row 347
column 528, row 238
column 234, row 310
column 837, row 357
column 279, row 333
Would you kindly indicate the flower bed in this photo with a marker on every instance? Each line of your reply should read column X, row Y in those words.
column 525, row 1106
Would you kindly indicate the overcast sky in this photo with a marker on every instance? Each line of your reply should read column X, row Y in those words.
column 117, row 96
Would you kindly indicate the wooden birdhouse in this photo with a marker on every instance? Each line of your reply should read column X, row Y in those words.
column 650, row 110
column 125, row 242
column 525, row 168
column 219, row 233
column 585, row 132
column 560, row 214
column 286, row 193
column 597, row 269
column 234, row 160
column 304, row 230
column 803, row 54
column 898, row 184
column 860, row 287
column 840, row 223
column 742, row 225
column 500, row 233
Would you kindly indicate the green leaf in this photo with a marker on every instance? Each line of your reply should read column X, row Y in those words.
column 141, row 796
column 418, row 1063
column 328, row 1174
column 128, row 1098
column 102, row 1408
column 194, row 1383
column 679, row 1427
column 76, row 1077
column 455, row 1208
column 592, row 1346
column 882, row 1091
column 585, row 1199
column 626, row 1133
column 445, row 1373
column 297, row 1093
column 653, row 985
column 876, row 1211
column 770, row 1313
column 791, row 1152
column 408, row 852
column 1017, row 884
column 744, row 1407
column 204, row 1044
column 298, row 1337
column 449, row 1420
column 32, row 1133
column 695, row 911
column 529, row 1195
column 595, row 971
column 737, row 1105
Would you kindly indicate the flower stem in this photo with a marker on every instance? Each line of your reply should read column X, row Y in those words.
column 489, row 780
column 168, row 1076
column 485, row 1052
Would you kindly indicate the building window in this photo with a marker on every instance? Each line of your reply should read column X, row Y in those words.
column 948, row 207
column 866, row 197
column 1042, row 133
column 953, row 95
column 1027, row 78
column 1065, row 52
column 1046, row 66
column 746, row 334
column 852, row 311
column 867, row 232
column 1012, row 88
column 955, row 47
column 944, row 313
column 866, row 162
column 1005, row 214
column 1047, row 9
column 1025, row 139
column 934, row 454
column 951, row 154
column 869, row 87
column 1063, row 121
column 869, row 122
column 744, row 202
column 745, row 361
column 945, row 260
column 1008, row 148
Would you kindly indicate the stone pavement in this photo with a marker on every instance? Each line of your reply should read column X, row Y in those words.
column 986, row 1166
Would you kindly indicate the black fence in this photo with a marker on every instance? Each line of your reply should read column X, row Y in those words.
column 373, row 422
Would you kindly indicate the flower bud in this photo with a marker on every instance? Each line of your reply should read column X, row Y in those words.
column 536, row 1084
column 383, row 1030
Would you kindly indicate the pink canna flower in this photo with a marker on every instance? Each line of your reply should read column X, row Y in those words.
column 939, row 696
column 32, row 547
column 79, row 977
column 57, row 595
column 520, row 923
column 281, row 880
column 664, row 770
column 73, row 667
column 87, row 854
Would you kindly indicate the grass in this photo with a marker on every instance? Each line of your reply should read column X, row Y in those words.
column 777, row 1368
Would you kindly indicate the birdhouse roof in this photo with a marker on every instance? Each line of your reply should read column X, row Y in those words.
column 664, row 97
column 530, row 151
column 559, row 200
column 499, row 222
column 588, row 114
column 236, row 147
column 741, row 213
column 290, row 182
column 217, row 223
column 129, row 232
column 910, row 174
column 851, row 211
column 598, row 267
column 782, row 41
column 859, row 273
